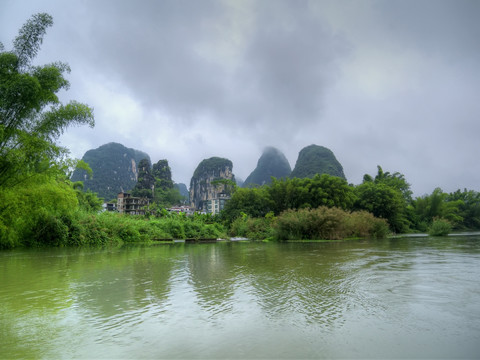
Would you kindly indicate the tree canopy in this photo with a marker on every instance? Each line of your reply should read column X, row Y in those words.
column 37, row 199
column 31, row 114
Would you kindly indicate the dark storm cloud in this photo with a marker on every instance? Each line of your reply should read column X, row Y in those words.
column 290, row 61
column 151, row 47
column 285, row 60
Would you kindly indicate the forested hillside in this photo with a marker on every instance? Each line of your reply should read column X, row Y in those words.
column 115, row 169
column 314, row 160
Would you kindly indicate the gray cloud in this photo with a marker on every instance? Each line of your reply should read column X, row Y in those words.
column 172, row 53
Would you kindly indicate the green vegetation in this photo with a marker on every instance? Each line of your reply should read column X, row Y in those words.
column 108, row 227
column 31, row 115
column 328, row 223
column 314, row 160
column 35, row 193
column 385, row 196
column 440, row 227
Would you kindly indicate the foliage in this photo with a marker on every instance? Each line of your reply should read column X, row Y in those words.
column 259, row 228
column 314, row 160
column 468, row 202
column 386, row 196
column 321, row 190
column 440, row 227
column 87, row 200
column 395, row 180
column 31, row 115
column 255, row 202
column 384, row 202
column 284, row 194
column 272, row 163
column 435, row 205
column 36, row 208
column 327, row 223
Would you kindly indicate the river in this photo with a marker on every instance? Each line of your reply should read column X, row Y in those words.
column 413, row 297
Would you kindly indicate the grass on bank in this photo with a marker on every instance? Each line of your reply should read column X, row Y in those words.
column 82, row 228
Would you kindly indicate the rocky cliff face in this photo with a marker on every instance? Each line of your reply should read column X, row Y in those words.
column 316, row 159
column 208, row 181
column 115, row 169
column 272, row 163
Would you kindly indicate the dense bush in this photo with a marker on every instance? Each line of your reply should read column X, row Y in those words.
column 124, row 228
column 40, row 206
column 327, row 223
column 440, row 227
column 252, row 228
column 81, row 228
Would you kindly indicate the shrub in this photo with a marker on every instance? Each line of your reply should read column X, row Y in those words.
column 327, row 223
column 440, row 227
column 48, row 230
column 364, row 224
column 252, row 228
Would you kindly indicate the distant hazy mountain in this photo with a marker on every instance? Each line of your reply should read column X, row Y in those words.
column 182, row 189
column 272, row 163
column 239, row 181
column 316, row 159
column 115, row 169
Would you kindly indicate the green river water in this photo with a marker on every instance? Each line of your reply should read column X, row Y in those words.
column 411, row 297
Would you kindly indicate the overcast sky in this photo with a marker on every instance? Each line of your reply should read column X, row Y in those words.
column 390, row 83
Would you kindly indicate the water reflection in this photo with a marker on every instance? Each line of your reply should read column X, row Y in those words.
column 418, row 296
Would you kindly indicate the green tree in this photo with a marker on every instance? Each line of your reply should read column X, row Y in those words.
column 39, row 208
column 469, row 207
column 287, row 194
column 254, row 202
column 37, row 201
column 435, row 206
column 395, row 180
column 87, row 200
column 387, row 196
column 31, row 115
column 321, row 190
column 384, row 202
column 330, row 191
